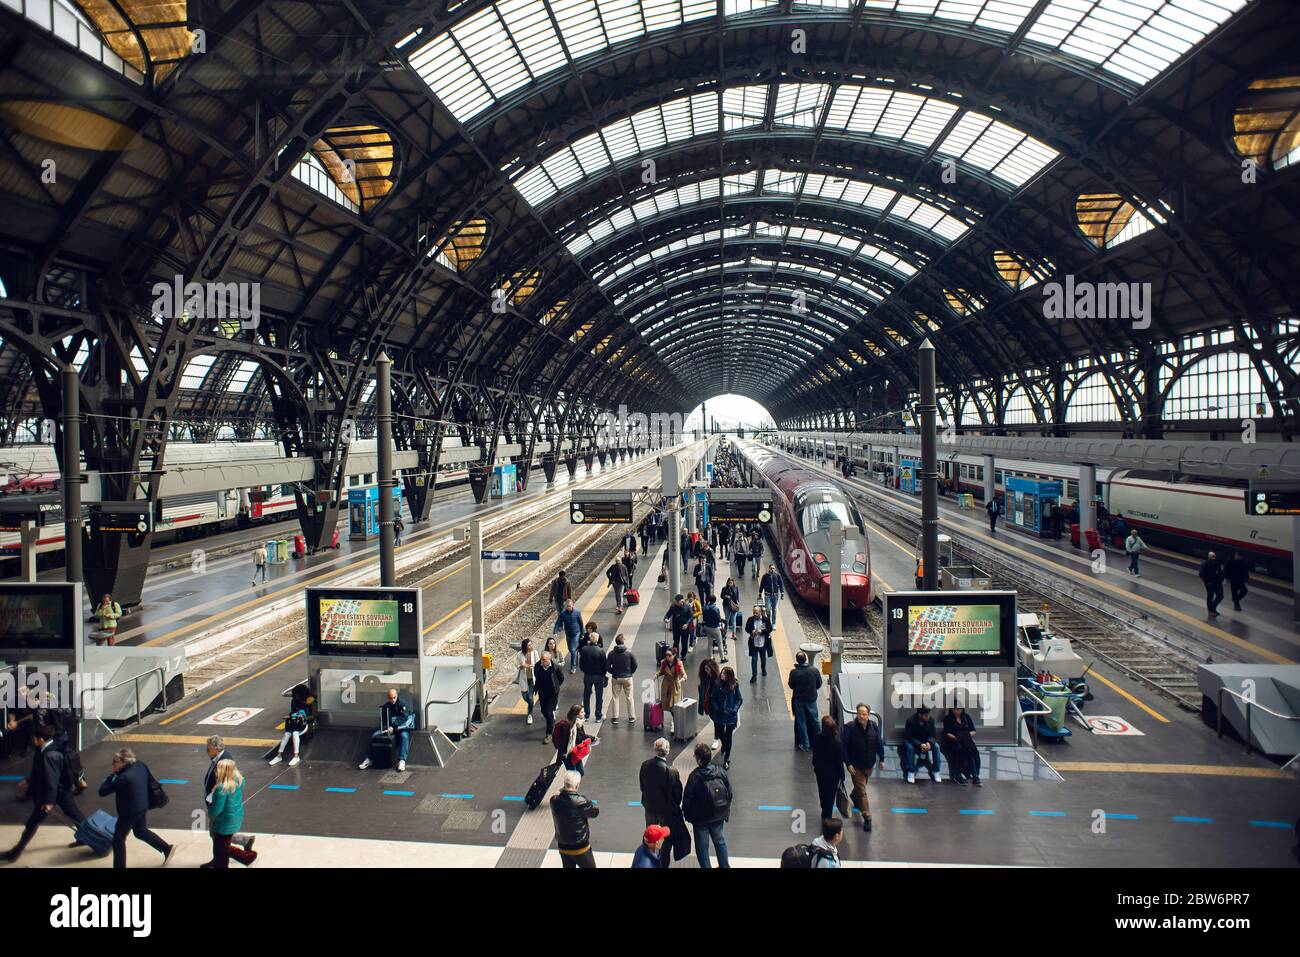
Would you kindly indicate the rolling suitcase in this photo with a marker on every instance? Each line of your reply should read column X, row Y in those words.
column 661, row 649
column 541, row 784
column 652, row 716
column 382, row 747
column 685, row 720
column 632, row 596
column 96, row 832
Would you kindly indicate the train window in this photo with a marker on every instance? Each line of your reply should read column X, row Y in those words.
column 997, row 477
column 979, row 472
column 817, row 516
column 285, row 490
column 1072, row 489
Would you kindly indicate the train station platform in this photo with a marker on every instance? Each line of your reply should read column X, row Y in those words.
column 1154, row 788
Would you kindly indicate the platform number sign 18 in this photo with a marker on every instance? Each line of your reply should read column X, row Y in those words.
column 408, row 607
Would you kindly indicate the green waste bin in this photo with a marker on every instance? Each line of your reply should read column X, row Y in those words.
column 1055, row 696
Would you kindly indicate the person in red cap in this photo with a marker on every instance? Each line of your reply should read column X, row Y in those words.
column 652, row 842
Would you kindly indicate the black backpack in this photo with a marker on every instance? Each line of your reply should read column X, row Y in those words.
column 801, row 855
column 714, row 799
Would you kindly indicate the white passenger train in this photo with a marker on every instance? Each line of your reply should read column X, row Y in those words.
column 30, row 470
column 1193, row 515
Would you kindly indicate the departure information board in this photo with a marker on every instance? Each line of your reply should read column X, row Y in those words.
column 600, row 511
column 1266, row 499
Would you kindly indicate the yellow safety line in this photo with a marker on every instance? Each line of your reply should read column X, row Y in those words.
column 1124, row 694
column 1202, row 769
column 195, row 739
column 180, row 714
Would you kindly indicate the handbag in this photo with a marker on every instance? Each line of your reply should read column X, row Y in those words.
column 157, row 796
column 842, row 800
column 580, row 750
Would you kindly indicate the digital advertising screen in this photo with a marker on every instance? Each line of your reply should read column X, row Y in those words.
column 363, row 622
column 930, row 626
column 38, row 616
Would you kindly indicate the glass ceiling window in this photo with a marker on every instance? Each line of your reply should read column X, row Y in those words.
column 1007, row 155
column 752, row 264
column 196, row 371
column 242, row 376
column 311, row 171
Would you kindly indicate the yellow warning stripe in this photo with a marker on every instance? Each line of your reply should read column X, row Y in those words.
column 1217, row 770
column 1128, row 697
column 195, row 739
column 194, row 707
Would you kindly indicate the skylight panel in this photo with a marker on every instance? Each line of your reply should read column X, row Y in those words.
column 800, row 104
column 580, row 23
column 530, row 25
column 242, row 376
column 447, row 71
column 896, row 118
column 195, row 371
column 744, row 106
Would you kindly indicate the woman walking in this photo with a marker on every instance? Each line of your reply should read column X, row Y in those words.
column 670, row 676
column 525, row 661
column 740, row 553
column 828, row 765
column 225, row 816
column 108, row 612
column 709, row 676
column 725, row 711
column 733, row 618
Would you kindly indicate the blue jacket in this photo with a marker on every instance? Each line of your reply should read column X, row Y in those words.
column 227, row 811
column 570, row 622
column 130, row 789
column 644, row 857
column 724, row 708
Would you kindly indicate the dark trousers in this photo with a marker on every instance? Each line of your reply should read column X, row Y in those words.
column 64, row 802
column 548, row 711
column 223, row 851
column 140, row 829
column 1238, row 592
column 681, row 643
column 724, row 732
column 1213, row 595
column 826, row 787
column 578, row 859
column 993, row 524
column 596, row 682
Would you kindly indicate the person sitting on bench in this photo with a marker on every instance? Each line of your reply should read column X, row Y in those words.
column 920, row 741
column 395, row 719
column 296, row 724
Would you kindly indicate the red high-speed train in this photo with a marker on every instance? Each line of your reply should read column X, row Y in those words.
column 805, row 503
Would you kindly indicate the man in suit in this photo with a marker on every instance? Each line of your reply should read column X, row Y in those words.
column 47, row 788
column 217, row 752
column 129, row 785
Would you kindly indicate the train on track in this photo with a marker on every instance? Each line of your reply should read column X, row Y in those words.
column 805, row 502
column 1189, row 514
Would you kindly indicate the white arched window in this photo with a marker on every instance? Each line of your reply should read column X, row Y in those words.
column 1224, row 385
column 1019, row 410
column 1092, row 401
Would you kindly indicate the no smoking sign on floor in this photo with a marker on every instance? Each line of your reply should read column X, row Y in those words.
column 1110, row 724
column 229, row 717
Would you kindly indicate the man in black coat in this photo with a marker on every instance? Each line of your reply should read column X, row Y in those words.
column 570, row 812
column 129, row 785
column 47, row 787
column 661, row 792
column 547, row 678
column 594, row 665
column 1212, row 574
column 1238, row 573
column 804, row 683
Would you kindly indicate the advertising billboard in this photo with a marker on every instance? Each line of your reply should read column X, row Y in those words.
column 363, row 622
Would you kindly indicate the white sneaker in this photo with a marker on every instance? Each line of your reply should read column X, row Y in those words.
column 276, row 760
column 294, row 761
column 401, row 765
column 938, row 777
column 717, row 745
column 911, row 779
column 530, row 719
column 363, row 765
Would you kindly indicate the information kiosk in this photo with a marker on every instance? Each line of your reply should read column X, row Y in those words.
column 360, row 643
column 363, row 511
column 1025, row 501
column 946, row 648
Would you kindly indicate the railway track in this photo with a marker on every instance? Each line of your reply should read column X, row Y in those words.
column 1150, row 652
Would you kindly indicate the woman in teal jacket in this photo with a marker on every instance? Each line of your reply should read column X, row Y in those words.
column 226, row 815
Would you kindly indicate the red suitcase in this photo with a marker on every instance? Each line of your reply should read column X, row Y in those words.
column 632, row 596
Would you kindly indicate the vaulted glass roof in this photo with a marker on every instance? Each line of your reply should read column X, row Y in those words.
column 1009, row 157
column 505, row 47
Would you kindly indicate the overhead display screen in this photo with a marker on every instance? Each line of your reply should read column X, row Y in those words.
column 363, row 622
column 617, row 512
column 929, row 627
column 38, row 616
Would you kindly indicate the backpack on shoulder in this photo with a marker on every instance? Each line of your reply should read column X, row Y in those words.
column 800, row 855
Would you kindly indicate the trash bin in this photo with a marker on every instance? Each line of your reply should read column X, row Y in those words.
column 272, row 551
column 335, row 542
column 1094, row 540
column 299, row 546
column 1074, row 534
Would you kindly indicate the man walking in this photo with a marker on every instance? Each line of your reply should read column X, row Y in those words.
column 571, row 811
column 863, row 747
column 560, row 591
column 569, row 621
column 661, row 791
column 1238, row 574
column 771, row 589
column 992, row 509
column 595, row 666
column 707, row 806
column 259, row 564
column 619, row 582
column 547, row 678
column 129, row 785
column 1212, row 574
column 804, row 682
column 1133, row 548
column 217, row 753
column 48, row 786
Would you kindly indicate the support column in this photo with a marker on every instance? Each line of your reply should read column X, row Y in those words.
column 989, row 487
column 384, row 480
column 929, row 470
column 1295, row 568
column 1087, row 501
column 835, row 535
column 674, row 551
column 71, row 479
column 477, row 639
column 28, row 534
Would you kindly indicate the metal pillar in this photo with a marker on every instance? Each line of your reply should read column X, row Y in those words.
column 385, row 480
column 674, row 551
column 835, row 535
column 73, row 570
column 929, row 470
column 1295, row 567
column 989, row 487
column 477, row 638
column 1087, row 501
column 28, row 533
